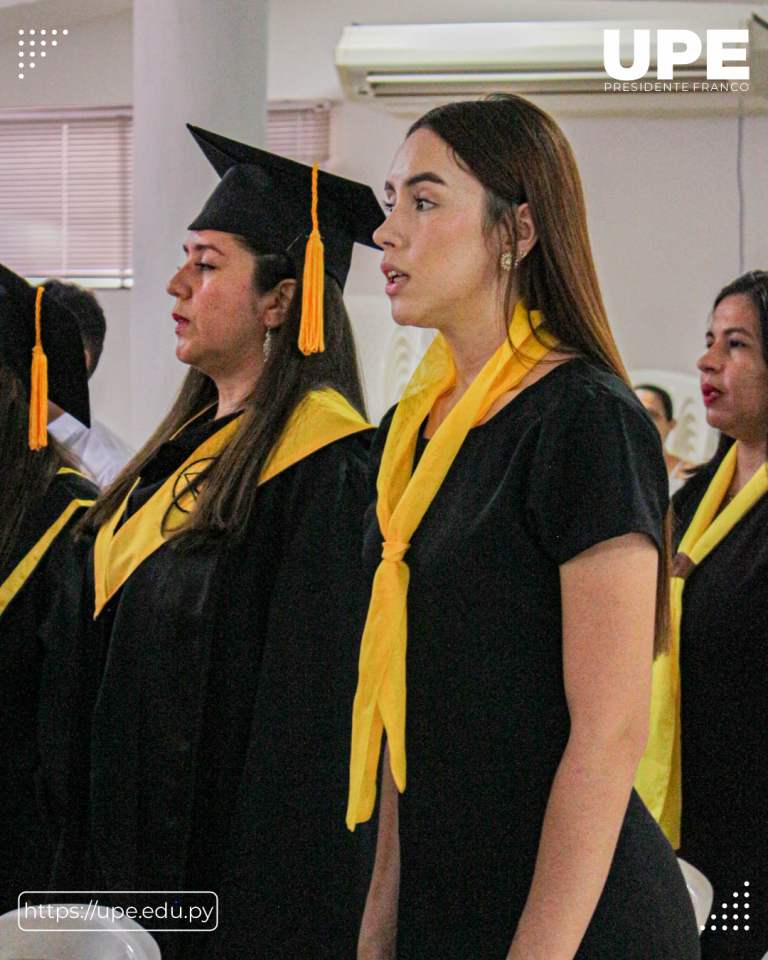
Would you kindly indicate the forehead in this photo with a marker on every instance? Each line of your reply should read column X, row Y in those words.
column 736, row 311
column 224, row 243
column 425, row 152
column 650, row 400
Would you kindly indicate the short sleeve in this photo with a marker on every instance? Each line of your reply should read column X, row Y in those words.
column 598, row 471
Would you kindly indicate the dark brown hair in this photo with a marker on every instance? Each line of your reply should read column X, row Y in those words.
column 520, row 155
column 227, row 487
column 25, row 474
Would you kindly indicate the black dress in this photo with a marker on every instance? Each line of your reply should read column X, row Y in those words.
column 44, row 659
column 572, row 461
column 724, row 726
column 221, row 733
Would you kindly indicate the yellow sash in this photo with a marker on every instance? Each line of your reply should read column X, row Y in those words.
column 404, row 496
column 26, row 566
column 322, row 417
column 659, row 778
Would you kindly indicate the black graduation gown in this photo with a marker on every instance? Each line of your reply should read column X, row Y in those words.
column 724, row 726
column 221, row 733
column 44, row 655
column 570, row 462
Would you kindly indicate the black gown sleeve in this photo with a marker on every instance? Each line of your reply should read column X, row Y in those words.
column 597, row 472
column 296, row 871
column 44, row 713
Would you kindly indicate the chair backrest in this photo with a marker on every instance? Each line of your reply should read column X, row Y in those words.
column 74, row 937
column 692, row 439
column 700, row 890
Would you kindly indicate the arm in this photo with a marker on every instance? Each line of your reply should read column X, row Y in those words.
column 378, row 930
column 608, row 603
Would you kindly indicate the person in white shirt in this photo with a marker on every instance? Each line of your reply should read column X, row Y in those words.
column 101, row 452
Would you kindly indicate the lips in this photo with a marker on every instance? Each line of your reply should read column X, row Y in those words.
column 181, row 322
column 709, row 394
column 396, row 278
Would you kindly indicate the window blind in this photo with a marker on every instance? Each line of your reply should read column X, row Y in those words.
column 66, row 185
column 65, row 196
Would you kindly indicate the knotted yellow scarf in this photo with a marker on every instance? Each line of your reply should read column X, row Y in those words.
column 659, row 775
column 404, row 496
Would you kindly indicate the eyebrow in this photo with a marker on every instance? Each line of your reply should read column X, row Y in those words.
column 199, row 247
column 426, row 177
column 730, row 330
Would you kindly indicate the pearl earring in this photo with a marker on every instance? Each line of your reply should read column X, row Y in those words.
column 506, row 262
column 267, row 343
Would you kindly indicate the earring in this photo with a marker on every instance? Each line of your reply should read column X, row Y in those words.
column 267, row 347
column 520, row 258
column 506, row 262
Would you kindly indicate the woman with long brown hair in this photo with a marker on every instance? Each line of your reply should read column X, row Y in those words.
column 515, row 549
column 226, row 574
column 42, row 495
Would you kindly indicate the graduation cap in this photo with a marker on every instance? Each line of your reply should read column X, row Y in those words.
column 40, row 342
column 282, row 206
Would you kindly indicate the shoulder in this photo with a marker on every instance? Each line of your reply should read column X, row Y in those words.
column 69, row 485
column 589, row 411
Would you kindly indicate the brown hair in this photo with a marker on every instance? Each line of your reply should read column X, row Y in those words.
column 226, row 488
column 520, row 155
column 21, row 469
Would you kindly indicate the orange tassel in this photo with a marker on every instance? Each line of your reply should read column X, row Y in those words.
column 38, row 394
column 311, row 331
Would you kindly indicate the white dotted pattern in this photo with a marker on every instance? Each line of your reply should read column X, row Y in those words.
column 43, row 43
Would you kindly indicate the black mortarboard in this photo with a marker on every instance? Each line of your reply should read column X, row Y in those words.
column 268, row 199
column 60, row 338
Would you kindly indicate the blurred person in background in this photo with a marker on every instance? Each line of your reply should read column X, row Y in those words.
column 43, row 629
column 658, row 403
column 704, row 774
column 99, row 450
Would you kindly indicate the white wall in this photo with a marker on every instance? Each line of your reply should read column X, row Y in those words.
column 661, row 192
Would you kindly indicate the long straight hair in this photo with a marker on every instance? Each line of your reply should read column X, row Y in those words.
column 520, row 155
column 25, row 474
column 225, row 490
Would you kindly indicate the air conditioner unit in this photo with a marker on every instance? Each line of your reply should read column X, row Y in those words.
column 470, row 59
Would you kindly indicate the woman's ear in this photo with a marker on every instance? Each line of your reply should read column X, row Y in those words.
column 280, row 297
column 525, row 230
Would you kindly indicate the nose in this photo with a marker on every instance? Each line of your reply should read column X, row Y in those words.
column 176, row 285
column 388, row 233
column 708, row 361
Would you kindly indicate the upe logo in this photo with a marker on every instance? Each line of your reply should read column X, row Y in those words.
column 667, row 57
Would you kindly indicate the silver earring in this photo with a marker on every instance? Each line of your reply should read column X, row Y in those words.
column 506, row 262
column 267, row 343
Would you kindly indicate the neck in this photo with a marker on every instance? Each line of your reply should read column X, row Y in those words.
column 472, row 345
column 671, row 460
column 750, row 456
column 235, row 386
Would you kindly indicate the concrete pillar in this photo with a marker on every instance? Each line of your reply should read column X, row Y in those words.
column 202, row 62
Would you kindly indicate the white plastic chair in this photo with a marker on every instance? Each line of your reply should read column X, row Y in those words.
column 92, row 939
column 692, row 439
column 700, row 890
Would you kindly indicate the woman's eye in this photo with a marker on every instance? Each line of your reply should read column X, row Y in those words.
column 422, row 204
column 205, row 266
column 388, row 206
column 735, row 343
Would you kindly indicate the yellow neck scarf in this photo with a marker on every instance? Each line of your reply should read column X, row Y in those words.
column 322, row 417
column 404, row 496
column 659, row 779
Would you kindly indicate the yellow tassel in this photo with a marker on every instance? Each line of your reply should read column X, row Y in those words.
column 311, row 332
column 38, row 395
